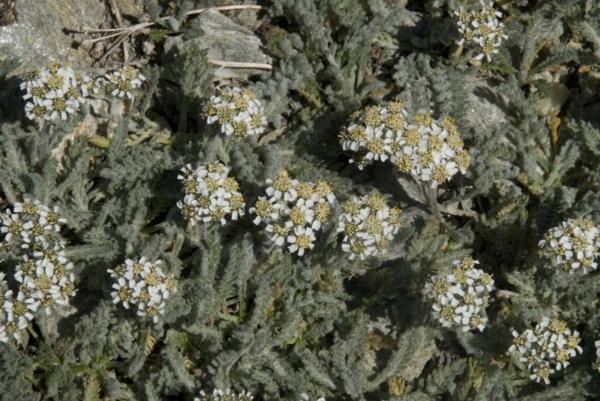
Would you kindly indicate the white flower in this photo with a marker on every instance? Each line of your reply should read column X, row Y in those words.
column 374, row 131
column 368, row 225
column 14, row 313
column 300, row 240
column 227, row 395
column 31, row 224
column 237, row 111
column 32, row 230
column 278, row 232
column 460, row 297
column 52, row 93
column 47, row 280
column 547, row 348
column 431, row 151
column 293, row 211
column 211, row 195
column 573, row 245
column 483, row 28
column 143, row 284
column 121, row 83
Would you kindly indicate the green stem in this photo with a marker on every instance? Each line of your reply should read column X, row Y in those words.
column 89, row 251
column 431, row 195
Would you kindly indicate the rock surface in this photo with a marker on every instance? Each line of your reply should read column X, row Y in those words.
column 224, row 40
column 39, row 36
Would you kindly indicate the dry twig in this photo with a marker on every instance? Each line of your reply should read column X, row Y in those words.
column 119, row 18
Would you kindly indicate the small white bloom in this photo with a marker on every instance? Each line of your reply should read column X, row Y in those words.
column 122, row 83
column 224, row 395
column 237, row 111
column 52, row 93
column 293, row 211
column 143, row 284
column 368, row 225
column 460, row 297
column 483, row 28
column 573, row 245
column 547, row 348
column 211, row 194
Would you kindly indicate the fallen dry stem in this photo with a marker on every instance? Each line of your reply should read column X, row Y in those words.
column 238, row 64
column 119, row 18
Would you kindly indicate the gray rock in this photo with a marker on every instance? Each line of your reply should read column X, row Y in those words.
column 482, row 102
column 224, row 40
column 39, row 37
column 129, row 8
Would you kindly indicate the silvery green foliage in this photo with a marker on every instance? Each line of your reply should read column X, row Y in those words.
column 250, row 317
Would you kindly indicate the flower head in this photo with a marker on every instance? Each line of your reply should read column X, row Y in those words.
column 210, row 194
column 547, row 348
column 461, row 296
column 31, row 230
column 573, row 245
column 373, row 132
column 47, row 279
column 52, row 93
column 430, row 150
column 143, row 284
column 224, row 395
column 122, row 82
column 31, row 226
column 368, row 225
column 15, row 313
column 482, row 28
column 237, row 111
column 293, row 211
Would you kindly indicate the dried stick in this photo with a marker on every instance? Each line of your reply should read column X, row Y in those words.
column 112, row 48
column 237, row 64
column 119, row 19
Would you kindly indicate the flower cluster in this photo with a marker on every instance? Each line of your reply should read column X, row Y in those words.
column 368, row 224
column 483, row 28
column 374, row 131
column 58, row 91
column 210, row 194
column 294, row 211
column 429, row 150
column 31, row 227
column 142, row 283
column 227, row 395
column 237, row 111
column 47, row 279
column 461, row 296
column 547, row 348
column 32, row 231
column 52, row 93
column 15, row 312
column 122, row 82
column 573, row 245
